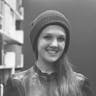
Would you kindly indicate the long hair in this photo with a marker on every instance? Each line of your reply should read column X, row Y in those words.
column 67, row 80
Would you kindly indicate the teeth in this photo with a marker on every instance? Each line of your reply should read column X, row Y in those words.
column 52, row 52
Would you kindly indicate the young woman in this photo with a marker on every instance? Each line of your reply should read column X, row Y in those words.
column 52, row 74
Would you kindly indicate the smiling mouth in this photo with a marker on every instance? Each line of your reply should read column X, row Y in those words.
column 52, row 51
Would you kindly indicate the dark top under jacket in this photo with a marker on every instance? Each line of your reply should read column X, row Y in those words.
column 33, row 82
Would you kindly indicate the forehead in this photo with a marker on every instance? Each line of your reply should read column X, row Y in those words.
column 53, row 29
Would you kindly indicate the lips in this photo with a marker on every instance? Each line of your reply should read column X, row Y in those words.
column 52, row 51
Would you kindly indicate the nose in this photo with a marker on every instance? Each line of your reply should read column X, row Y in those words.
column 54, row 43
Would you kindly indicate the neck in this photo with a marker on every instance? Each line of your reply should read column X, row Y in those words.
column 44, row 66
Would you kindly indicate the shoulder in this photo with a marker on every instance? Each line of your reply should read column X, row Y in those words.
column 83, row 80
column 80, row 77
column 15, row 83
column 20, row 78
column 23, row 74
column 84, row 84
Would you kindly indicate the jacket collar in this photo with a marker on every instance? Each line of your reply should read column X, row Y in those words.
column 44, row 75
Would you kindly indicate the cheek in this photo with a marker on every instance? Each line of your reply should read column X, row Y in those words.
column 41, row 44
column 62, row 46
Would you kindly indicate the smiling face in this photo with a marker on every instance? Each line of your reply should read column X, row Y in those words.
column 51, row 43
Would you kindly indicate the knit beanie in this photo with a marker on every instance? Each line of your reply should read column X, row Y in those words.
column 49, row 17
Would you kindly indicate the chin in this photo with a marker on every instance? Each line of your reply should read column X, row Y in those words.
column 52, row 60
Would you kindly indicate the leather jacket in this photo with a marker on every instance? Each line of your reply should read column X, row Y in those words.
column 33, row 82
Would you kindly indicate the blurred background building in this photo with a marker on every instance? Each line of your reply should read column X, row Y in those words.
column 11, row 39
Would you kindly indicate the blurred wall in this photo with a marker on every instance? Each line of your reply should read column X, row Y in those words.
column 82, row 16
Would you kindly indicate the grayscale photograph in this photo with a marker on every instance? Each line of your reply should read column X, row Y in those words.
column 47, row 47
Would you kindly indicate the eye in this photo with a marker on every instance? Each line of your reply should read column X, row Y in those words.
column 47, row 37
column 61, row 38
